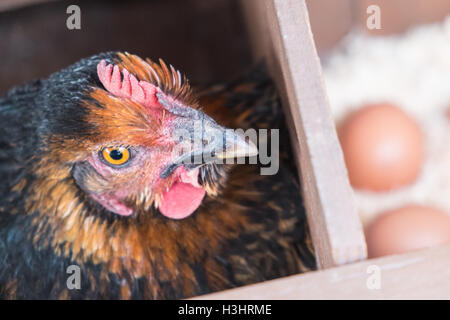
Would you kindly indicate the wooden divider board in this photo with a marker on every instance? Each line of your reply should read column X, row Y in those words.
column 424, row 274
column 280, row 32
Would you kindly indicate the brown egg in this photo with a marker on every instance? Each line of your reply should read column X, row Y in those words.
column 408, row 228
column 383, row 147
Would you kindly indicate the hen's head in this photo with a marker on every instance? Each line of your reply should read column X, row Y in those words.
column 133, row 136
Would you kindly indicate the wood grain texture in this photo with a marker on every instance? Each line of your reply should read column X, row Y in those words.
column 423, row 274
column 281, row 32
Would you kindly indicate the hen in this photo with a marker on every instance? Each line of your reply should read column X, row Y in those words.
column 96, row 175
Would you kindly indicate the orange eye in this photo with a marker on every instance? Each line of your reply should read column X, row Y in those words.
column 116, row 155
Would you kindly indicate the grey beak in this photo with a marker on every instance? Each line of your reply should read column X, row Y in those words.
column 207, row 141
column 237, row 147
column 224, row 143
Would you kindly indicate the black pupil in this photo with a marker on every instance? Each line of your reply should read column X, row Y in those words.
column 116, row 154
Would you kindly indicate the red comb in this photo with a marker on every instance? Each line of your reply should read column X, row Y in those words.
column 142, row 92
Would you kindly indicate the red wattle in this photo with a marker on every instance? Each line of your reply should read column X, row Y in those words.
column 181, row 200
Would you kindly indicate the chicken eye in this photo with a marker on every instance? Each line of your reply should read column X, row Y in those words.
column 116, row 156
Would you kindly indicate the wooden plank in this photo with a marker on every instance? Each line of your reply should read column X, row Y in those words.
column 423, row 274
column 280, row 31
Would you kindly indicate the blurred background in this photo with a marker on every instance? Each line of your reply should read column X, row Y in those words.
column 388, row 88
column 205, row 39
